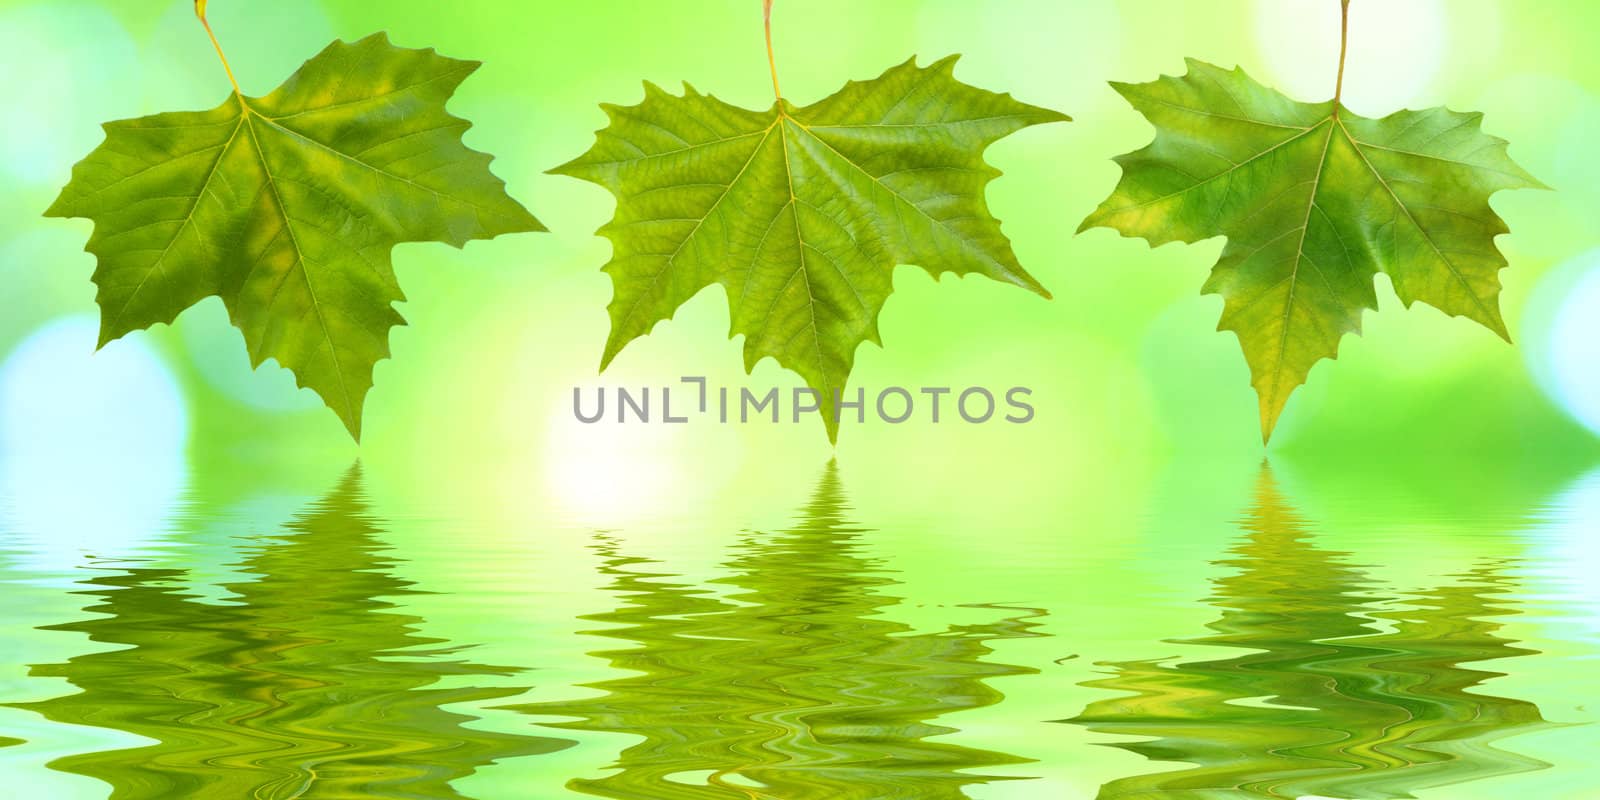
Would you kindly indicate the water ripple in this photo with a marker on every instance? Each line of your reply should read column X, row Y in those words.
column 308, row 684
column 1343, row 691
column 792, row 683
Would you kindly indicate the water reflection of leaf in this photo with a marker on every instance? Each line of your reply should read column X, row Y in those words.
column 1343, row 692
column 309, row 684
column 791, row 686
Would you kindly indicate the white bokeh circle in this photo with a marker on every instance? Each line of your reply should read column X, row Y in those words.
column 92, row 444
column 1561, row 333
column 82, row 66
column 1396, row 50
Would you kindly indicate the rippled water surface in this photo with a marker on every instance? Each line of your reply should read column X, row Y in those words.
column 1263, row 639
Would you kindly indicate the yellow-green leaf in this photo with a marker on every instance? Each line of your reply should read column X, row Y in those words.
column 287, row 206
column 801, row 214
column 1315, row 200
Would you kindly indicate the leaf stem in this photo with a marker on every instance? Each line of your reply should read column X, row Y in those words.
column 772, row 62
column 1344, row 49
column 200, row 11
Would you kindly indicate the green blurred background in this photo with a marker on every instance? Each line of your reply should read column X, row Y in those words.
column 1129, row 375
column 1430, row 446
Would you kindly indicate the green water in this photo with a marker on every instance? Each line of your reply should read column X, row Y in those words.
column 342, row 647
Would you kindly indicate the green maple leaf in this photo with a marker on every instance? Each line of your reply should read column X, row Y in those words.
column 287, row 206
column 801, row 214
column 1315, row 201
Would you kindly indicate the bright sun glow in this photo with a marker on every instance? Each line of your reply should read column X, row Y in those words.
column 609, row 472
